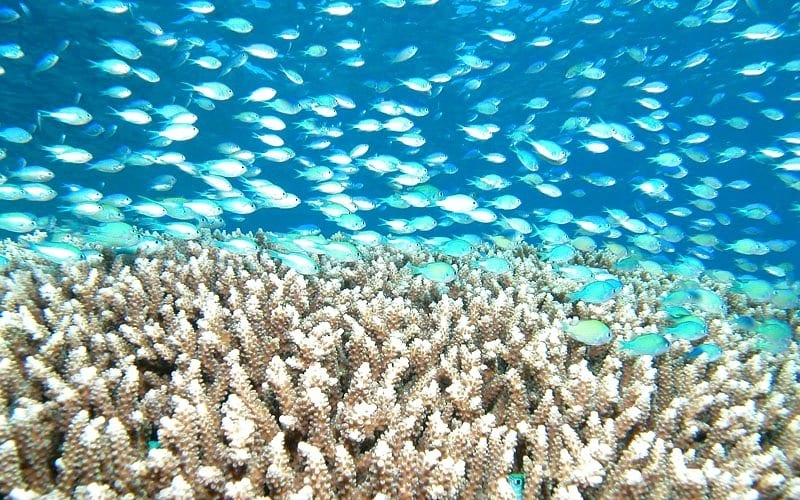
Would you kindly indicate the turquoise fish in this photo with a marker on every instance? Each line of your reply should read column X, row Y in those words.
column 688, row 328
column 589, row 332
column 712, row 352
column 300, row 262
column 517, row 482
column 494, row 265
column 649, row 344
column 597, row 292
column 775, row 335
column 440, row 272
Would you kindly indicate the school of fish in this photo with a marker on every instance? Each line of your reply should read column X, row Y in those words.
column 665, row 133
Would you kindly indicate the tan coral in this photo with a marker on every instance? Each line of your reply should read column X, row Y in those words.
column 202, row 373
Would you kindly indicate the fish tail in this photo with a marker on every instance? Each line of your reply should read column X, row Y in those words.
column 414, row 269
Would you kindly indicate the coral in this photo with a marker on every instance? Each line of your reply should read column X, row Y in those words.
column 200, row 372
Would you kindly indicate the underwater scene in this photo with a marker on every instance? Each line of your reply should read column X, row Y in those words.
column 399, row 249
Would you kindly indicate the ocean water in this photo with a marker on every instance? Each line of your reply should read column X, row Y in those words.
column 469, row 64
column 692, row 111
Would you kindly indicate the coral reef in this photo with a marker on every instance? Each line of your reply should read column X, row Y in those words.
column 198, row 372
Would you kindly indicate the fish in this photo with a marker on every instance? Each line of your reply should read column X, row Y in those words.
column 17, row 222
column 494, row 265
column 57, row 252
column 596, row 292
column 774, row 335
column 590, row 332
column 649, row 344
column 439, row 272
column 517, row 482
column 71, row 115
column 457, row 203
column 560, row 254
column 689, row 328
column 479, row 131
column 711, row 352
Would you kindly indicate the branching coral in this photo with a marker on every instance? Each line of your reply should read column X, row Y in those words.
column 199, row 372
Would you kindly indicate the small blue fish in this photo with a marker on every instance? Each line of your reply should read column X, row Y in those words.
column 703, row 299
column 440, row 272
column 746, row 323
column 688, row 328
column 494, row 265
column 46, row 62
column 649, row 344
column 16, row 135
column 597, row 292
column 517, row 482
column 774, row 335
column 300, row 262
column 675, row 312
column 589, row 332
column 711, row 351
column 560, row 254
column 57, row 252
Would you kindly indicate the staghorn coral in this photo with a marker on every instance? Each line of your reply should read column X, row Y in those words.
column 201, row 373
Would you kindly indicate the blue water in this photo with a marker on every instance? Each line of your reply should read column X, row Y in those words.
column 442, row 32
